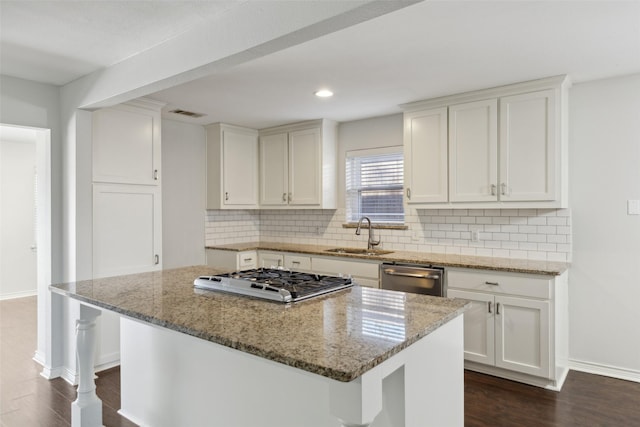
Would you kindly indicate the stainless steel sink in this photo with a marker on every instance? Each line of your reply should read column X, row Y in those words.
column 358, row 251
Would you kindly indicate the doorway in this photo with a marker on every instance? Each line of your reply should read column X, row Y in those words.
column 40, row 189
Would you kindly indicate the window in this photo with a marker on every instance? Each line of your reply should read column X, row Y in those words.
column 374, row 185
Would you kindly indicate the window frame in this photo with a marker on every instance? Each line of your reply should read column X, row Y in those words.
column 372, row 152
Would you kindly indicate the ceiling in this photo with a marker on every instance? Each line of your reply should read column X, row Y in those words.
column 425, row 50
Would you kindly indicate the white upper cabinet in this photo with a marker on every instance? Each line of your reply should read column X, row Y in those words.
column 274, row 169
column 473, row 151
column 126, row 143
column 232, row 167
column 528, row 147
column 425, row 156
column 507, row 148
column 298, row 166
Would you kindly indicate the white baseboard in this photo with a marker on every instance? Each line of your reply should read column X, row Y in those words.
column 69, row 376
column 23, row 294
column 605, row 370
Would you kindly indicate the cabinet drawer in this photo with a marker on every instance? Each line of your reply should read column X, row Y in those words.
column 247, row 260
column 528, row 285
column 353, row 268
column 297, row 263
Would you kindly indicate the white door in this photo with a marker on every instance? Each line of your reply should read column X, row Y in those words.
column 127, row 229
column 274, row 170
column 304, row 167
column 522, row 335
column 240, row 177
column 425, row 156
column 473, row 151
column 528, row 147
column 479, row 329
column 126, row 146
column 18, row 257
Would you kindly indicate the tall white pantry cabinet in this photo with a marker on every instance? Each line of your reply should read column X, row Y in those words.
column 127, row 209
column 503, row 147
column 127, row 204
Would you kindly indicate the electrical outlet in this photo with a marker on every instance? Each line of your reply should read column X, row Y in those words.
column 633, row 207
column 475, row 236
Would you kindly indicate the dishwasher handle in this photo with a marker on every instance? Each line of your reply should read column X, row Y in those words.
column 391, row 272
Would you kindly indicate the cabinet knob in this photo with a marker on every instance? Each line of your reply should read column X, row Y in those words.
column 155, row 175
column 492, row 283
column 156, row 259
column 409, row 193
column 226, row 195
column 284, row 197
column 290, row 197
column 489, row 305
column 493, row 189
column 497, row 308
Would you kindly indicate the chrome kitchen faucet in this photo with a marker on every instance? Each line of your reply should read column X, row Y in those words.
column 370, row 243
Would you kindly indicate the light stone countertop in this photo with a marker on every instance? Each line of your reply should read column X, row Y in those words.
column 444, row 260
column 340, row 335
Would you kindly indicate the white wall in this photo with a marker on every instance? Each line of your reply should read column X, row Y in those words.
column 605, row 273
column 17, row 218
column 183, row 194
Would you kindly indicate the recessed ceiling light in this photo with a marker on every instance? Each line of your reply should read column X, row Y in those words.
column 324, row 93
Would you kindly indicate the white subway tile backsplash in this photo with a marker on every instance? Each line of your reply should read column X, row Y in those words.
column 540, row 234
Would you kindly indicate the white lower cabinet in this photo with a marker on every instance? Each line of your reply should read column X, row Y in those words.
column 232, row 260
column 127, row 229
column 270, row 259
column 516, row 326
column 297, row 262
column 363, row 273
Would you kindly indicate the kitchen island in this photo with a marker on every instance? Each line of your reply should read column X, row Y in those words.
column 355, row 357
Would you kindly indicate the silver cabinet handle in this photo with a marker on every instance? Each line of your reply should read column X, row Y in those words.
column 155, row 175
column 497, row 308
column 503, row 189
column 489, row 305
column 492, row 283
column 289, row 197
column 156, row 259
column 414, row 275
column 493, row 189
column 284, row 197
column 226, row 195
column 247, row 259
column 409, row 193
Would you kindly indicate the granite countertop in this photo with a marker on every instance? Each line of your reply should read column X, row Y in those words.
column 445, row 260
column 340, row 335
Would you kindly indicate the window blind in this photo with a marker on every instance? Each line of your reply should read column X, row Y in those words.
column 374, row 185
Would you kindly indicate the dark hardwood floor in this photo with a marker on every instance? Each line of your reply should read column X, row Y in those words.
column 27, row 399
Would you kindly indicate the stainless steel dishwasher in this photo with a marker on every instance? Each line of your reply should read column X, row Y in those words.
column 419, row 279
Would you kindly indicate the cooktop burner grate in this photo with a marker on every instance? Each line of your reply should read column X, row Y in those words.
column 273, row 284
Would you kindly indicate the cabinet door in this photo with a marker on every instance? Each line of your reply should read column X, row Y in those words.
column 240, row 177
column 425, row 156
column 473, row 151
column 528, row 147
column 522, row 335
column 274, row 169
column 479, row 329
column 127, row 229
column 126, row 146
column 304, row 167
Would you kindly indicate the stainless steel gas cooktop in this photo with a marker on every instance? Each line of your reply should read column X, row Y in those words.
column 273, row 284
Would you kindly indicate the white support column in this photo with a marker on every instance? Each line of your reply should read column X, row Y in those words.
column 358, row 402
column 86, row 410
